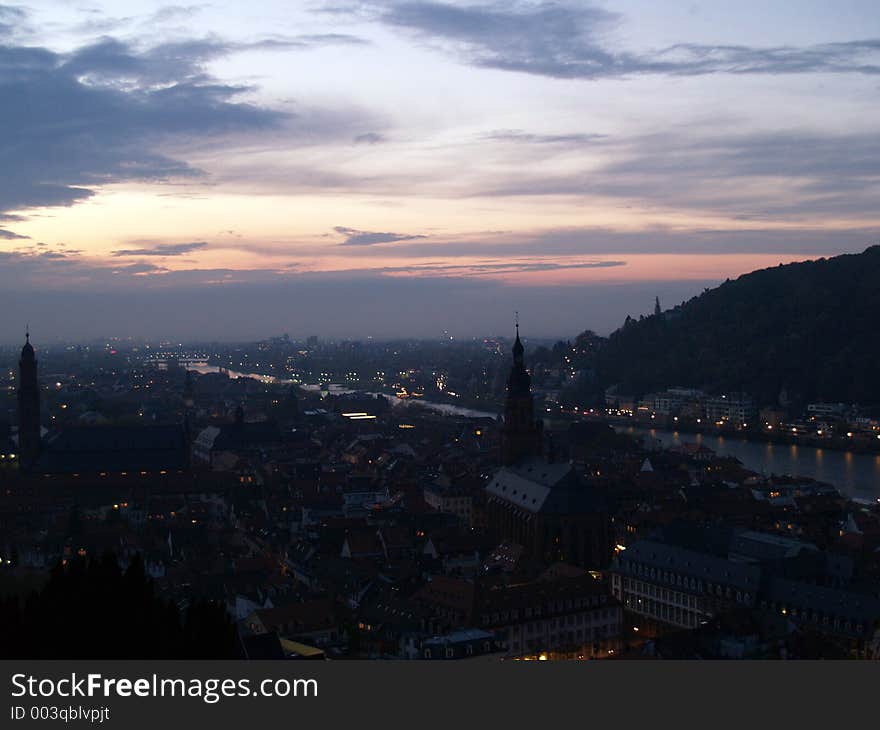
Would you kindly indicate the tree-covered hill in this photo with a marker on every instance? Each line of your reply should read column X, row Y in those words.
column 811, row 329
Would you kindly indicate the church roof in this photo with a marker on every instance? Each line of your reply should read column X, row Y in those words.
column 537, row 485
column 90, row 449
column 246, row 435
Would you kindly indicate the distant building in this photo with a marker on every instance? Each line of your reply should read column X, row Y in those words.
column 222, row 447
column 463, row 644
column 680, row 587
column 686, row 585
column 737, row 409
column 828, row 410
column 444, row 496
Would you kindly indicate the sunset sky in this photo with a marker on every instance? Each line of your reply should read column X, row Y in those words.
column 241, row 169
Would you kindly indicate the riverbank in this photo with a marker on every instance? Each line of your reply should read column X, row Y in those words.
column 856, row 444
column 854, row 475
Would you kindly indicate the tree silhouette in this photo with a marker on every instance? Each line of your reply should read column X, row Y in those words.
column 91, row 609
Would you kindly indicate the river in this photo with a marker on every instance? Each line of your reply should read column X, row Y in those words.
column 856, row 475
column 449, row 408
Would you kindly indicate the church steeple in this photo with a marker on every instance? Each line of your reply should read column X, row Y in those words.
column 518, row 349
column 521, row 433
column 28, row 405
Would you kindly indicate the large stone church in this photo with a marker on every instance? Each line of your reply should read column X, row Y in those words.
column 543, row 505
column 89, row 450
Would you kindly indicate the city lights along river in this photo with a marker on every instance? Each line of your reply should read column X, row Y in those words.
column 855, row 475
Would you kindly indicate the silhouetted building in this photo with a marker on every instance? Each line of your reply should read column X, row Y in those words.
column 115, row 449
column 521, row 436
column 28, row 407
column 550, row 511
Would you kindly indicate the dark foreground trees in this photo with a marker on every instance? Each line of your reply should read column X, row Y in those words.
column 90, row 609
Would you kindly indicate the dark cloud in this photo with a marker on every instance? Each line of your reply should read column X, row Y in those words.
column 751, row 176
column 570, row 40
column 490, row 269
column 369, row 138
column 138, row 268
column 164, row 249
column 12, row 17
column 518, row 135
column 354, row 237
column 64, row 135
column 175, row 12
column 119, row 64
column 10, row 236
column 114, row 112
column 66, row 270
column 512, row 246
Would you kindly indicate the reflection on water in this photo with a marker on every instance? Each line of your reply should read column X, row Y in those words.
column 203, row 368
column 448, row 408
column 857, row 475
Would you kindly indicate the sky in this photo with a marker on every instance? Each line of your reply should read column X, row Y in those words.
column 231, row 170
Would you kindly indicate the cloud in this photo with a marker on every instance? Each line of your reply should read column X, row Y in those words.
column 369, row 138
column 120, row 64
column 175, row 12
column 138, row 268
column 132, row 113
column 492, row 268
column 111, row 130
column 355, row 237
column 12, row 17
column 557, row 246
column 570, row 40
column 518, row 135
column 164, row 249
column 786, row 174
column 10, row 236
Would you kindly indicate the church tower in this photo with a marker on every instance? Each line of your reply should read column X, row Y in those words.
column 521, row 433
column 28, row 406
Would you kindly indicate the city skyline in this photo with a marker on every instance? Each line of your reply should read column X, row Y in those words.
column 405, row 168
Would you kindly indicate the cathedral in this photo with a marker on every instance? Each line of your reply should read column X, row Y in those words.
column 89, row 450
column 542, row 505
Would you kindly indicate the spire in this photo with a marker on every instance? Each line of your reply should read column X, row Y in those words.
column 518, row 349
column 28, row 405
column 657, row 309
column 27, row 352
column 521, row 435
